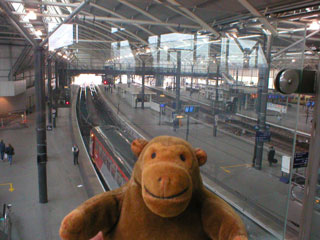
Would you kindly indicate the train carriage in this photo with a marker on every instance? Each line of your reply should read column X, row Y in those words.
column 110, row 150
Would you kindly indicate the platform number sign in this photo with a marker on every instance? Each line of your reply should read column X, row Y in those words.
column 190, row 109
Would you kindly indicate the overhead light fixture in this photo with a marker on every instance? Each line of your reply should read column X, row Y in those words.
column 31, row 15
column 38, row 33
column 314, row 26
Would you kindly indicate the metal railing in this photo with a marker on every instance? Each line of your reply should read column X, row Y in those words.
column 5, row 223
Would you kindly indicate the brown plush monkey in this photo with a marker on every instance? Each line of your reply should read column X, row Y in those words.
column 164, row 199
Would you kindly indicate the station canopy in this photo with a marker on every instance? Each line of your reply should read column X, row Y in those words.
column 106, row 32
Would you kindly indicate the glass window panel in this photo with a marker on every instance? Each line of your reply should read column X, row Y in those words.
column 229, row 80
column 241, row 114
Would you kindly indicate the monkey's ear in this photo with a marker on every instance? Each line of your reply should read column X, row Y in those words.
column 137, row 146
column 201, row 156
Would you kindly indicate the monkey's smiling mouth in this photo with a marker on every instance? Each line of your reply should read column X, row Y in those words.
column 169, row 197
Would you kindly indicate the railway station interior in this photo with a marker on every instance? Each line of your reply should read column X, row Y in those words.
column 81, row 80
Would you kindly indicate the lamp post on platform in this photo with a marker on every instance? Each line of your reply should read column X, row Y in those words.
column 178, row 75
column 49, row 91
column 143, row 57
column 143, row 79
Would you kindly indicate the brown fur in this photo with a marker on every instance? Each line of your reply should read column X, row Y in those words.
column 164, row 199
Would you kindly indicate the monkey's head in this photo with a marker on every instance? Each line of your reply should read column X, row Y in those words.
column 168, row 172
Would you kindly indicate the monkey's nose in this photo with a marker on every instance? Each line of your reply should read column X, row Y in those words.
column 164, row 182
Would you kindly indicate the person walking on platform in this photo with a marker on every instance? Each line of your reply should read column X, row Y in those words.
column 75, row 151
column 10, row 153
column 271, row 155
column 2, row 149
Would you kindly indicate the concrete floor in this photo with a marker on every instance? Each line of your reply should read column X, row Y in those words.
column 32, row 220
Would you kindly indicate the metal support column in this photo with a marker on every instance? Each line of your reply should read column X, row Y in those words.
column 11, row 64
column 191, row 86
column 41, row 124
column 312, row 176
column 62, row 76
column 217, row 82
column 178, row 81
column 262, row 103
column 56, row 73
column 142, row 91
column 158, row 49
column 215, row 104
column 237, row 76
column 49, row 91
column 207, row 80
column 120, row 75
column 188, row 122
column 159, row 81
column 194, row 59
column 65, row 74
column 255, row 59
column 227, row 56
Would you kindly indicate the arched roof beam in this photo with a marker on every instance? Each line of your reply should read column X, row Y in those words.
column 112, row 19
column 145, row 13
column 16, row 23
column 127, row 31
column 261, row 18
column 92, row 29
column 107, row 27
column 122, row 17
column 93, row 38
column 46, row 3
column 195, row 18
column 174, row 10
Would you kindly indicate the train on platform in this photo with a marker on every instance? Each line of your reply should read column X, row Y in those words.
column 110, row 150
column 278, row 98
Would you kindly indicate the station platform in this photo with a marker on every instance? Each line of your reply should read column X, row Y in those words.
column 19, row 182
column 258, row 194
column 287, row 120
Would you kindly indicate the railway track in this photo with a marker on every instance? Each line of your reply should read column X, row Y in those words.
column 240, row 125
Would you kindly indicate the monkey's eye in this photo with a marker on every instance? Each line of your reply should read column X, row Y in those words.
column 153, row 155
column 182, row 157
